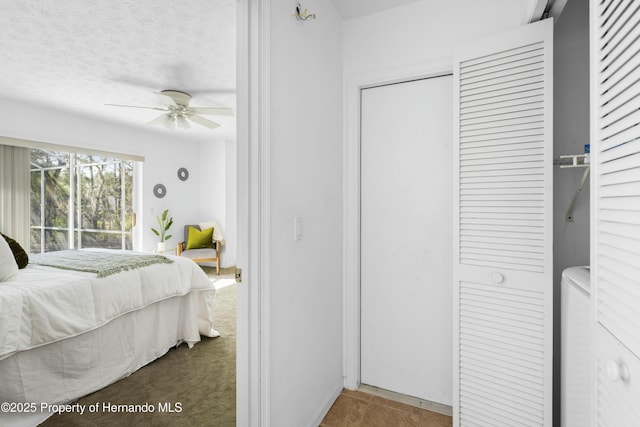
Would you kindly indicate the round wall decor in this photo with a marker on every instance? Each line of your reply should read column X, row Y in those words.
column 159, row 191
column 183, row 174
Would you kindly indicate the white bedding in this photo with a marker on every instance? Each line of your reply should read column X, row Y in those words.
column 93, row 332
column 44, row 304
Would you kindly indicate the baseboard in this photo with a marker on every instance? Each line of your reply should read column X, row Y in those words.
column 328, row 404
column 407, row 400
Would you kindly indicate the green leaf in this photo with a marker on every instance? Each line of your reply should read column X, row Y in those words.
column 164, row 214
column 155, row 231
column 167, row 237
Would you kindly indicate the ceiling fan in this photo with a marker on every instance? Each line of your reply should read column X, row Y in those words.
column 177, row 111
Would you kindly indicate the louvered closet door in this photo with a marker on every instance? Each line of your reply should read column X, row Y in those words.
column 616, row 209
column 503, row 229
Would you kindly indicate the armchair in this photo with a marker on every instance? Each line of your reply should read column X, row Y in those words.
column 208, row 254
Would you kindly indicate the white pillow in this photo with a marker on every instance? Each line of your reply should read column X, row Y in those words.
column 8, row 264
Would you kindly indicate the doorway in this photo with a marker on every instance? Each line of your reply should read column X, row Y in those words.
column 406, row 238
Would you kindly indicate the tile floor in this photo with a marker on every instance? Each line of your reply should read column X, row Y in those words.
column 358, row 409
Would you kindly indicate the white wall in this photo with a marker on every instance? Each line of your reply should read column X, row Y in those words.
column 230, row 204
column 422, row 31
column 218, row 193
column 570, row 133
column 164, row 155
column 305, row 283
column 417, row 39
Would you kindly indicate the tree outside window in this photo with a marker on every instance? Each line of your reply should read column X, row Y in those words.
column 80, row 201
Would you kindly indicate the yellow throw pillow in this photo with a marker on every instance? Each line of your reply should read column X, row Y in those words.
column 200, row 239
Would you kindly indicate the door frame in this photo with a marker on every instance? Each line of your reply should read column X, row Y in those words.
column 351, row 197
column 253, row 173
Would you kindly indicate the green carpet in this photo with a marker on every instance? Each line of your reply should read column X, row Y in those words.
column 202, row 380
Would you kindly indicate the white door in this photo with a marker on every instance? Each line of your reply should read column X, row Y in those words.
column 406, row 212
column 615, row 180
column 503, row 336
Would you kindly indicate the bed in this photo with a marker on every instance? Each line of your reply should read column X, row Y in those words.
column 67, row 333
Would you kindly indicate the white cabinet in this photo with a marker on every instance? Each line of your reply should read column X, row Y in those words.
column 615, row 249
column 618, row 383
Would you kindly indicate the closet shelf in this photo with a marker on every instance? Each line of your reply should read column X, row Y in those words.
column 572, row 161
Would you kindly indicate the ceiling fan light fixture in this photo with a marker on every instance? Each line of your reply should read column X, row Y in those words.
column 169, row 121
column 182, row 122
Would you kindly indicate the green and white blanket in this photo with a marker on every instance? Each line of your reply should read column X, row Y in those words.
column 100, row 262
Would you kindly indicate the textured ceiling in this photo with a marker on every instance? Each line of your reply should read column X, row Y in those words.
column 78, row 55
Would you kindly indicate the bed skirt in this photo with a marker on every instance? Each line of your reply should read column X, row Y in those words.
column 66, row 370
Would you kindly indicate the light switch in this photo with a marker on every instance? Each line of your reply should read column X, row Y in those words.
column 297, row 228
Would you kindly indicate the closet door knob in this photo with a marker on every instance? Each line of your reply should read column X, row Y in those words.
column 497, row 278
column 618, row 371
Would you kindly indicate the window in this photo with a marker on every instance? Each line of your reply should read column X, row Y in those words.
column 80, row 201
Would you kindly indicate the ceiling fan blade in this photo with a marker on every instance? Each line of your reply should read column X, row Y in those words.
column 137, row 106
column 213, row 111
column 166, row 99
column 204, row 122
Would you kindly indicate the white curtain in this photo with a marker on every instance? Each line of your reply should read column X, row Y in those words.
column 15, row 190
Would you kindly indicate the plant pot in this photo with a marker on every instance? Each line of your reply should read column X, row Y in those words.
column 162, row 246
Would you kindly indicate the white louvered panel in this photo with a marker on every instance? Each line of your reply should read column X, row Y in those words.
column 527, row 67
column 619, row 296
column 502, row 272
column 490, row 179
column 617, row 173
column 628, row 189
column 503, row 137
column 617, row 400
column 617, row 26
column 630, row 204
column 622, row 27
column 622, row 126
column 621, row 107
column 500, row 62
column 480, row 108
column 503, row 112
column 619, row 177
column 617, row 104
column 617, row 140
column 491, row 120
column 501, row 354
column 499, row 158
column 491, row 83
column 503, row 79
column 513, row 148
column 622, row 152
column 487, row 103
column 497, row 90
column 607, row 9
column 520, row 183
column 485, row 125
column 615, row 78
column 616, row 199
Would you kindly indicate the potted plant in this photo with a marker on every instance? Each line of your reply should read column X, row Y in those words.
column 164, row 222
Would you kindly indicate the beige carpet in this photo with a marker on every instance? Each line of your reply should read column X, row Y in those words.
column 201, row 380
